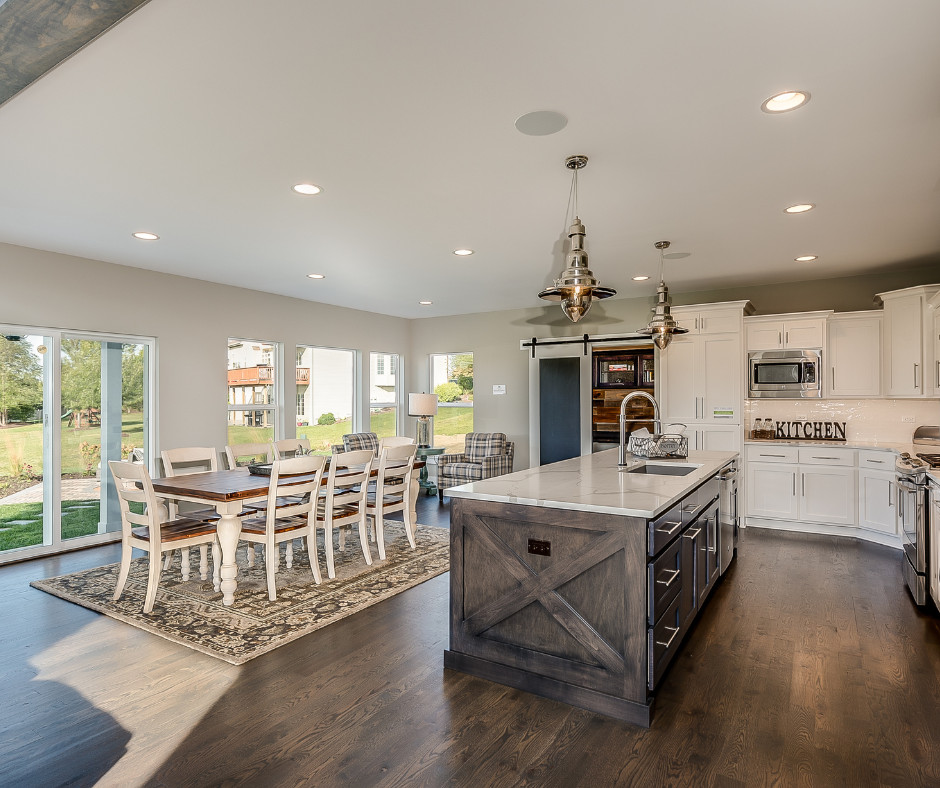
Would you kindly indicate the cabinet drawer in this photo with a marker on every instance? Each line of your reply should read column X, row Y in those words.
column 877, row 460
column 773, row 454
column 664, row 580
column 663, row 643
column 823, row 455
column 664, row 529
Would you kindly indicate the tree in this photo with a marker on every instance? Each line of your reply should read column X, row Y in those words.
column 20, row 379
column 462, row 372
column 132, row 378
column 81, row 376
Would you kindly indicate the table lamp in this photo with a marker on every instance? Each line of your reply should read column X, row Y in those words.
column 424, row 406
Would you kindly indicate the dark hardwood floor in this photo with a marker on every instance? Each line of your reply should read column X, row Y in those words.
column 811, row 666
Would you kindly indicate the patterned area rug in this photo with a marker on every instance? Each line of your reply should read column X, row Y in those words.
column 192, row 614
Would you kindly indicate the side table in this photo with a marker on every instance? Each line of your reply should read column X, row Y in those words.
column 422, row 453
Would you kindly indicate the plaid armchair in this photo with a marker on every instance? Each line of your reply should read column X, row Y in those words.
column 485, row 454
column 356, row 441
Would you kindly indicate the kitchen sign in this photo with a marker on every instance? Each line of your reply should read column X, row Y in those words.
column 810, row 430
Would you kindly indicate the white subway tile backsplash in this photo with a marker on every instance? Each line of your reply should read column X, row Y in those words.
column 866, row 419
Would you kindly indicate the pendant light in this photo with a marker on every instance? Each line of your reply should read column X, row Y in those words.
column 576, row 287
column 663, row 325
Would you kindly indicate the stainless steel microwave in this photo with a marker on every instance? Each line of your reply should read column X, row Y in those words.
column 784, row 374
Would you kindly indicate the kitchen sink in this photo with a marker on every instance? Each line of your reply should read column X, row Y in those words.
column 664, row 469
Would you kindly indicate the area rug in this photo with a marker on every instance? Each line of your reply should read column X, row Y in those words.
column 193, row 615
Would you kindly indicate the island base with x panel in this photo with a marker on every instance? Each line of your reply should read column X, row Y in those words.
column 583, row 606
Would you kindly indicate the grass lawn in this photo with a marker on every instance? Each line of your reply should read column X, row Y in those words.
column 79, row 518
column 23, row 445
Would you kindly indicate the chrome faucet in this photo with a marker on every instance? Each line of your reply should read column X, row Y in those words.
column 657, row 421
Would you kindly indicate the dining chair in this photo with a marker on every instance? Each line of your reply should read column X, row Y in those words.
column 237, row 455
column 147, row 532
column 179, row 462
column 395, row 440
column 285, row 522
column 392, row 492
column 343, row 503
column 290, row 447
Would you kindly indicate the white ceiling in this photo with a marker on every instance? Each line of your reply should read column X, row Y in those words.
column 193, row 120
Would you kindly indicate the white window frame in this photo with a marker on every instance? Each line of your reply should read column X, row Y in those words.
column 397, row 363
column 277, row 409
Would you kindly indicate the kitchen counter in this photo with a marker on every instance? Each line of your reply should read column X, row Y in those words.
column 594, row 483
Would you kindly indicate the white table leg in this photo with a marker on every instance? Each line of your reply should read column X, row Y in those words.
column 229, row 529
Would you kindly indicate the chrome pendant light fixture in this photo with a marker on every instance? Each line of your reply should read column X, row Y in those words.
column 663, row 325
column 576, row 287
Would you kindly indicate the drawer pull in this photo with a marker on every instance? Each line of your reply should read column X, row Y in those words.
column 667, row 583
column 669, row 531
column 878, row 462
column 668, row 643
column 825, row 458
column 772, row 455
column 690, row 507
column 690, row 535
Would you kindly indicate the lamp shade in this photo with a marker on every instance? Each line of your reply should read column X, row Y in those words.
column 422, row 404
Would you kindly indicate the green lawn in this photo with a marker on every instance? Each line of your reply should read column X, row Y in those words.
column 76, row 521
column 23, row 445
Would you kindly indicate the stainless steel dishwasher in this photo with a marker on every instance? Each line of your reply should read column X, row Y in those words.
column 728, row 514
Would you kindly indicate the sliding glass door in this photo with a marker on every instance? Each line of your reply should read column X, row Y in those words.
column 69, row 403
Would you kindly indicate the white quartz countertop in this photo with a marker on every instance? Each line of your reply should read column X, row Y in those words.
column 595, row 483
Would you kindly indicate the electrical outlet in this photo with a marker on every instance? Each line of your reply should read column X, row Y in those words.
column 907, row 419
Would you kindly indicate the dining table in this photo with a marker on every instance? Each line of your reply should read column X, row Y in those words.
column 228, row 491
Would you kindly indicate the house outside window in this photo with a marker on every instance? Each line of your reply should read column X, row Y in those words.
column 252, row 391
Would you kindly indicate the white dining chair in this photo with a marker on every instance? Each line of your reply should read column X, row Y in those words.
column 343, row 503
column 293, row 519
column 392, row 492
column 237, row 455
column 290, row 447
column 178, row 462
column 148, row 532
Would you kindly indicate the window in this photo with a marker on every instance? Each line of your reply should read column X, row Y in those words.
column 452, row 381
column 384, row 394
column 326, row 395
column 252, row 391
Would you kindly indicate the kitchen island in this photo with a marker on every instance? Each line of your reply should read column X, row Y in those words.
column 578, row 580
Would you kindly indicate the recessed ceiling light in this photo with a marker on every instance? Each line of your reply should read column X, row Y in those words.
column 541, row 123
column 147, row 236
column 425, row 303
column 316, row 276
column 307, row 188
column 640, row 278
column 806, row 258
column 463, row 252
column 784, row 102
column 802, row 207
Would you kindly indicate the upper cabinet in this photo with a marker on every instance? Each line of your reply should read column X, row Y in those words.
column 702, row 319
column 779, row 332
column 908, row 350
column 933, row 380
column 853, row 361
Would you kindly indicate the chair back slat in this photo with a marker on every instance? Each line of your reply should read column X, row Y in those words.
column 348, row 480
column 396, row 440
column 290, row 447
column 284, row 486
column 394, row 474
column 240, row 454
column 179, row 462
column 133, row 485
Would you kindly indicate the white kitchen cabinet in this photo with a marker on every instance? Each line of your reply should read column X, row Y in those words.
column 853, row 357
column 771, row 491
column 907, row 356
column 933, row 380
column 702, row 379
column 877, row 501
column 780, row 332
column 827, row 495
column 717, row 437
column 711, row 319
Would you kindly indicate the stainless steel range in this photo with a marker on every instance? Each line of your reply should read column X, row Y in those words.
column 913, row 510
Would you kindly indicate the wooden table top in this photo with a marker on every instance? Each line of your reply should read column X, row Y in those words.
column 234, row 485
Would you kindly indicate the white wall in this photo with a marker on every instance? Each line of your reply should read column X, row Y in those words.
column 192, row 321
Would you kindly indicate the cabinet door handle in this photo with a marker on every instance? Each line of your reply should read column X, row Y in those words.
column 833, row 378
column 668, row 643
column 788, row 338
column 889, row 495
column 803, row 485
column 779, row 337
column 793, row 477
column 667, row 583
column 938, row 374
column 915, row 375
